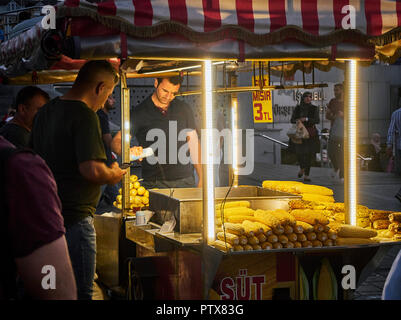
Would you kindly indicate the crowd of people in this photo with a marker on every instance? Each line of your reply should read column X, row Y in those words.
column 61, row 155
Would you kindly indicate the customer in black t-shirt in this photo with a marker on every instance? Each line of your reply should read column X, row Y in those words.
column 66, row 134
column 29, row 100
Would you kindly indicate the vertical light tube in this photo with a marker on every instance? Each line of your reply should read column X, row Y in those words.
column 350, row 140
column 234, row 126
column 233, row 172
column 207, row 154
column 125, row 139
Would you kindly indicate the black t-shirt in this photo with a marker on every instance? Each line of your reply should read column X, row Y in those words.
column 145, row 117
column 17, row 135
column 105, row 128
column 66, row 133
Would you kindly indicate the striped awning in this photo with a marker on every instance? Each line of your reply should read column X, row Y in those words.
column 218, row 29
column 257, row 22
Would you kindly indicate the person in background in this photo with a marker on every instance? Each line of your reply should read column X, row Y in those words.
column 394, row 143
column 29, row 100
column 375, row 152
column 66, row 134
column 335, row 110
column 392, row 285
column 32, row 233
column 308, row 114
column 393, row 139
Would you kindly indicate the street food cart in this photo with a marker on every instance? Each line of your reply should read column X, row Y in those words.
column 150, row 38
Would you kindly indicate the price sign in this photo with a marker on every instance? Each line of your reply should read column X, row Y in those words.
column 262, row 102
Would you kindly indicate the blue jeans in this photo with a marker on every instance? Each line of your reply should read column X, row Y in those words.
column 392, row 286
column 81, row 240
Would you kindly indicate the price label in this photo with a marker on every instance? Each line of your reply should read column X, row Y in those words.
column 262, row 102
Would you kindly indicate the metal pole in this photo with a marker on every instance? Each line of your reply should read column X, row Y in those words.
column 125, row 140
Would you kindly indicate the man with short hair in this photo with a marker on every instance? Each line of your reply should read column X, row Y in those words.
column 32, row 231
column 28, row 102
column 162, row 113
column 66, row 133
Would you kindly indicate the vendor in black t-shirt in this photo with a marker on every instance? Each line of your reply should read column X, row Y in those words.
column 28, row 101
column 161, row 114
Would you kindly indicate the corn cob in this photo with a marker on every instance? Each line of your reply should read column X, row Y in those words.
column 283, row 239
column 317, row 197
column 277, row 245
column 322, row 236
column 328, row 243
column 262, row 238
column 265, row 229
column 395, row 217
column 299, row 204
column 228, row 237
column 313, row 189
column 223, row 246
column 278, row 230
column 395, row 227
column 289, row 245
column 234, row 228
column 311, row 236
column 297, row 244
column 243, row 240
column 256, row 247
column 253, row 240
column 266, row 245
column 353, row 241
column 285, row 217
column 232, row 204
column 362, row 211
column 307, row 244
column 235, row 211
column 363, row 222
column 310, row 216
column 301, row 237
column 299, row 229
column 318, row 228
column 272, row 239
column 248, row 247
column 267, row 217
column 332, row 235
column 317, row 243
column 292, row 237
column 348, row 231
column 381, row 224
column 249, row 227
column 288, row 229
column 240, row 218
column 379, row 215
column 238, row 248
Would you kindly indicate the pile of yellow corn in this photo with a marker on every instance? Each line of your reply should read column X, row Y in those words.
column 139, row 196
column 241, row 228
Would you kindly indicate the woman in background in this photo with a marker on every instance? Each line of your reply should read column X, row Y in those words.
column 308, row 114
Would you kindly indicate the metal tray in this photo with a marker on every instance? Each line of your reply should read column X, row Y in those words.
column 185, row 204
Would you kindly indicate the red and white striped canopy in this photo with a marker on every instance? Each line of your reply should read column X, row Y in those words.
column 218, row 29
column 257, row 22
